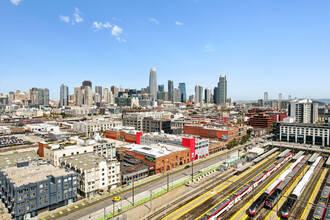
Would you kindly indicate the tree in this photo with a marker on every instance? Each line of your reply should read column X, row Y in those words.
column 245, row 138
column 232, row 143
column 249, row 131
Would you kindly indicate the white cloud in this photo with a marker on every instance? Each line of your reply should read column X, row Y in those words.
column 65, row 19
column 116, row 31
column 209, row 48
column 15, row 2
column 99, row 25
column 154, row 20
column 77, row 16
column 179, row 23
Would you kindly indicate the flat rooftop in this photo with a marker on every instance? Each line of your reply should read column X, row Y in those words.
column 155, row 150
column 33, row 173
column 171, row 136
column 85, row 161
column 9, row 160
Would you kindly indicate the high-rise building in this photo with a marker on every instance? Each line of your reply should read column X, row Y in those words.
column 79, row 96
column 191, row 98
column 280, row 97
column 114, row 91
column 176, row 95
column 198, row 94
column 88, row 96
column 183, row 95
column 39, row 96
column 303, row 111
column 161, row 88
column 153, row 83
column 215, row 95
column 289, row 97
column 207, row 95
column 265, row 99
column 98, row 90
column 170, row 90
column 222, row 90
column 64, row 95
column 87, row 83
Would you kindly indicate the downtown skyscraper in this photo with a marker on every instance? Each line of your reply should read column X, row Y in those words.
column 153, row 83
column 183, row 95
column 170, row 90
column 64, row 95
column 198, row 94
column 222, row 90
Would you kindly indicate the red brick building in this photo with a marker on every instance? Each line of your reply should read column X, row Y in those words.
column 261, row 121
column 123, row 134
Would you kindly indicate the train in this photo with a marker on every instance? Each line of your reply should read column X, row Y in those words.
column 320, row 212
column 237, row 196
column 260, row 202
column 285, row 210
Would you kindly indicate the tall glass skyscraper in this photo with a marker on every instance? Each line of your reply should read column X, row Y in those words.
column 64, row 95
column 170, row 90
column 222, row 90
column 182, row 87
column 153, row 83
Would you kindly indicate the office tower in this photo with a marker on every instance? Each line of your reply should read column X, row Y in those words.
column 11, row 96
column 289, row 97
column 280, row 97
column 222, row 90
column 87, row 83
column 182, row 87
column 170, row 90
column 207, row 95
column 265, row 99
column 161, row 88
column 198, row 94
column 34, row 97
column 215, row 95
column 191, row 98
column 114, row 91
column 64, row 95
column 303, row 111
column 97, row 98
column 153, row 83
column 78, row 95
column 88, row 96
column 39, row 96
column 98, row 90
column 106, row 94
column 260, row 102
column 176, row 95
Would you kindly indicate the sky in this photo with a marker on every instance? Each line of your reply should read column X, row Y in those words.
column 277, row 46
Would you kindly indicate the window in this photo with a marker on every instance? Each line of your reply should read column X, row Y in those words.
column 20, row 197
column 46, row 196
column 63, row 155
column 33, row 200
column 33, row 188
column 27, row 208
column 20, row 210
column 59, row 181
column 26, row 195
column 41, row 197
column 20, row 204
column 41, row 186
column 33, row 206
column 46, row 184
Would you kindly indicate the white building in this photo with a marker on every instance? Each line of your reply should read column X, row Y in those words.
column 36, row 128
column 80, row 110
column 303, row 111
column 95, row 127
column 94, row 172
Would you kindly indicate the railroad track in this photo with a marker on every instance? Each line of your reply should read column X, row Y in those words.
column 300, row 206
column 238, row 206
column 208, row 204
column 181, row 202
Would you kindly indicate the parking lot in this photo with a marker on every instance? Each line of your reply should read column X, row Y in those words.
column 11, row 141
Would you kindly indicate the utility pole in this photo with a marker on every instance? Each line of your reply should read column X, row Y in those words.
column 133, row 189
column 192, row 170
column 104, row 213
column 168, row 184
column 150, row 200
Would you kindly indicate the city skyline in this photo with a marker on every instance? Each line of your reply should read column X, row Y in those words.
column 111, row 42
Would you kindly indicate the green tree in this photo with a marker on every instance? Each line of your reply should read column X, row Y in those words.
column 249, row 131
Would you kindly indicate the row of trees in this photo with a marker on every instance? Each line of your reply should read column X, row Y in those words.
column 244, row 139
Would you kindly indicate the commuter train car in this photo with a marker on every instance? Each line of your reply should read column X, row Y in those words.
column 298, row 190
column 320, row 209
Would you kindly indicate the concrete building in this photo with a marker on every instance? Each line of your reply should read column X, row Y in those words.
column 305, row 133
column 136, row 119
column 30, row 188
column 261, row 121
column 160, row 157
column 86, row 83
column 222, row 90
column 98, row 90
column 153, row 83
column 64, row 95
column 114, row 91
column 95, row 127
column 170, row 90
column 303, row 111
column 80, row 110
column 94, row 172
column 88, row 96
column 124, row 133
column 198, row 94
column 176, row 95
column 207, row 95
column 9, row 160
column 79, row 96
column 199, row 147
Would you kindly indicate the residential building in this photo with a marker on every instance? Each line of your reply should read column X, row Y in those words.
column 80, row 110
column 94, row 173
column 88, row 96
column 261, row 121
column 176, row 95
column 86, row 83
column 222, row 90
column 79, row 96
column 305, row 133
column 198, row 94
column 207, row 95
column 9, row 160
column 161, row 88
column 153, row 83
column 98, row 90
column 64, row 95
column 114, row 91
column 303, row 110
column 95, row 127
column 30, row 188
column 127, row 134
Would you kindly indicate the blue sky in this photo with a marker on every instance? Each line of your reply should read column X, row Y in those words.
column 261, row 45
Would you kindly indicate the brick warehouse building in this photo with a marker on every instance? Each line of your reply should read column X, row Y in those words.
column 221, row 133
column 127, row 134
column 160, row 157
column 261, row 121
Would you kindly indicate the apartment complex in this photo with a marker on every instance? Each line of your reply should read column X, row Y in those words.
column 94, row 172
column 95, row 127
column 261, row 121
column 303, row 111
column 30, row 188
